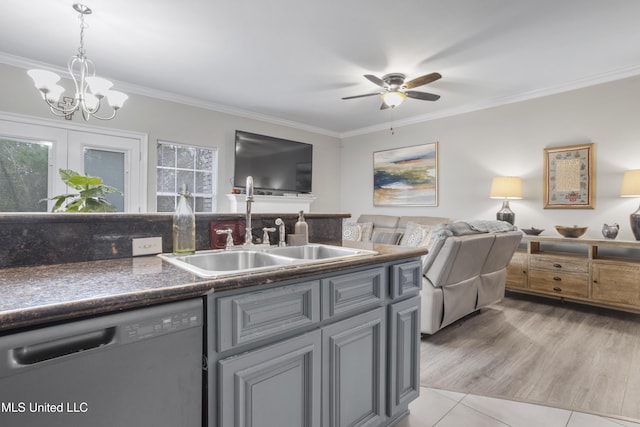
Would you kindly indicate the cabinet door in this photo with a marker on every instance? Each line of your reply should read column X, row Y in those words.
column 404, row 354
column 354, row 371
column 616, row 283
column 278, row 385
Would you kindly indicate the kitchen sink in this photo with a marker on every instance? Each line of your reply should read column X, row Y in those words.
column 219, row 263
column 316, row 252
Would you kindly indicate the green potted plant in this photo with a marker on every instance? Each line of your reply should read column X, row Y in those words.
column 89, row 198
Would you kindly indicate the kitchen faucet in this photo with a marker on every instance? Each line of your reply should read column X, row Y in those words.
column 281, row 240
column 248, row 237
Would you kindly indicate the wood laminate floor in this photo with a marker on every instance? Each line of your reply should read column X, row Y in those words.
column 543, row 351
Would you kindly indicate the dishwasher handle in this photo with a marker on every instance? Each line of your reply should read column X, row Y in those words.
column 40, row 352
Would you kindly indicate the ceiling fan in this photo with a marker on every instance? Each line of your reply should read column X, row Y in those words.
column 396, row 89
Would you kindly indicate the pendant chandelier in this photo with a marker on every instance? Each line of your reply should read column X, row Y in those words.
column 90, row 90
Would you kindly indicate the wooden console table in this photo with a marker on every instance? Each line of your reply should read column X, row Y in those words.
column 594, row 271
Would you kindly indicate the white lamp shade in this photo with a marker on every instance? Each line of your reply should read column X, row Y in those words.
column 630, row 184
column 99, row 86
column 116, row 99
column 393, row 99
column 91, row 101
column 506, row 187
column 54, row 93
column 44, row 80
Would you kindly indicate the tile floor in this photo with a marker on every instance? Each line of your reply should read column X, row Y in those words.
column 440, row 408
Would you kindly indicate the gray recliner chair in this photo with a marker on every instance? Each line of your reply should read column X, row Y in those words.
column 463, row 273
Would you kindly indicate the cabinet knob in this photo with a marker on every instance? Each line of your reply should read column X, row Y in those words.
column 557, row 265
column 557, row 289
column 557, row 279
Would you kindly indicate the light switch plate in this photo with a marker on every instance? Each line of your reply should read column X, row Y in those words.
column 146, row 246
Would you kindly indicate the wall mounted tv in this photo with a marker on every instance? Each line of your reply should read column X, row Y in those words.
column 276, row 165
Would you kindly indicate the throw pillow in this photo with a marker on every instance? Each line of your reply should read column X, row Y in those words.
column 416, row 235
column 351, row 232
column 386, row 237
column 366, row 228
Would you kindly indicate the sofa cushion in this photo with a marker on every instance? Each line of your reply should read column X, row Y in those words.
column 459, row 258
column 383, row 221
column 386, row 237
column 499, row 256
column 416, row 234
column 422, row 220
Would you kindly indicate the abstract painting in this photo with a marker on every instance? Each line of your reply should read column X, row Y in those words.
column 406, row 176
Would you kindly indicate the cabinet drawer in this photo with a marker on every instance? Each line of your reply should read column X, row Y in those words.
column 406, row 279
column 353, row 291
column 568, row 265
column 245, row 318
column 559, row 283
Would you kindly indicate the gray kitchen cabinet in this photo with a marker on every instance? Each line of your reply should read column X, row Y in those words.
column 278, row 385
column 336, row 349
column 354, row 371
column 404, row 354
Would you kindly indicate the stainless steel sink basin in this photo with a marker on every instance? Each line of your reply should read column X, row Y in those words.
column 317, row 252
column 218, row 263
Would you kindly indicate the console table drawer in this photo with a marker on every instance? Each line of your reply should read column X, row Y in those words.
column 559, row 283
column 568, row 265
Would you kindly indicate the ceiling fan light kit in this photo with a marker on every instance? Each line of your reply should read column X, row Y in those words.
column 395, row 89
column 393, row 99
column 89, row 89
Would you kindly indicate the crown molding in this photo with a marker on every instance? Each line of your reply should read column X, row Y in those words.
column 582, row 83
column 25, row 63
column 617, row 74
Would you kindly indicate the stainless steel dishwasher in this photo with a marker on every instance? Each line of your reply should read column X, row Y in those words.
column 137, row 368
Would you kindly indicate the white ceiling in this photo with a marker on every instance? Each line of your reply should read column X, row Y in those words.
column 291, row 61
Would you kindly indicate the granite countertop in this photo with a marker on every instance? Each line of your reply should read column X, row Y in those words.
column 48, row 293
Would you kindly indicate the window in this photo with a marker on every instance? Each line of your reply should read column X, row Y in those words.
column 24, row 175
column 194, row 167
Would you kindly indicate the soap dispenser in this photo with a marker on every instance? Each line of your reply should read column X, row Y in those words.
column 184, row 225
column 302, row 228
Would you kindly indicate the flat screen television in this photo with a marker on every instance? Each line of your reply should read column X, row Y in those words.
column 276, row 165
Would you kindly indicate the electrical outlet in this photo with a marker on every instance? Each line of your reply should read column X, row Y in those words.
column 146, row 246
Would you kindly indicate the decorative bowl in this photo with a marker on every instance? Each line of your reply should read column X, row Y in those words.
column 532, row 231
column 574, row 231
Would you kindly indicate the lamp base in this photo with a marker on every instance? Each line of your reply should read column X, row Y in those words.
column 634, row 219
column 506, row 214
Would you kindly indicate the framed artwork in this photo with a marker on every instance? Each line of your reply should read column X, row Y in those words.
column 569, row 177
column 406, row 176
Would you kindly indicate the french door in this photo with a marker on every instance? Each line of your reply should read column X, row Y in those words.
column 31, row 155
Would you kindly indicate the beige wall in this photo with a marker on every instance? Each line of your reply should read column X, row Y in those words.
column 509, row 140
column 169, row 121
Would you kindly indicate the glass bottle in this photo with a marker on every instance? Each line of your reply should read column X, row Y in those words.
column 184, row 225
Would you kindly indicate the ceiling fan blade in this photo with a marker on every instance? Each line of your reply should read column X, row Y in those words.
column 422, row 95
column 423, row 80
column 384, row 106
column 361, row 96
column 375, row 80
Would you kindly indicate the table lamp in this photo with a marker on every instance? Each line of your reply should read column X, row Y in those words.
column 631, row 188
column 506, row 187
